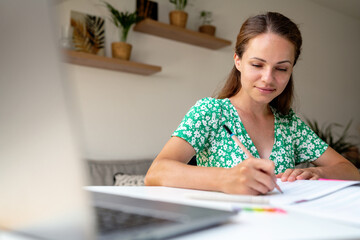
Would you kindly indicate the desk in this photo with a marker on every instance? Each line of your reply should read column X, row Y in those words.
column 246, row 225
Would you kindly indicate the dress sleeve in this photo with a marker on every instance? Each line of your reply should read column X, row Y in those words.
column 198, row 124
column 307, row 145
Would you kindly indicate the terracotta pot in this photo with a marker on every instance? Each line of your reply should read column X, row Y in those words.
column 178, row 18
column 207, row 29
column 121, row 50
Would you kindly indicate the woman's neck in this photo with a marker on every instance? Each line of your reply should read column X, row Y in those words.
column 245, row 104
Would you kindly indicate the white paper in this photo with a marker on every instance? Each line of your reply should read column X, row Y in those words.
column 305, row 190
column 293, row 192
column 342, row 205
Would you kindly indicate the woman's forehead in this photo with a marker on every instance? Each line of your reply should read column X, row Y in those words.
column 270, row 47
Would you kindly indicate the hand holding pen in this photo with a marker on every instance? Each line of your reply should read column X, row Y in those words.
column 249, row 155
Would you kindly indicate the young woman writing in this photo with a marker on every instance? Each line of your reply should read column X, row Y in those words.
column 255, row 104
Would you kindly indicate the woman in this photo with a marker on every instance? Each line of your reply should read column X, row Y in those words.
column 255, row 104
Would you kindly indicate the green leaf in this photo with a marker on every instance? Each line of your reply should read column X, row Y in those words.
column 179, row 4
column 123, row 20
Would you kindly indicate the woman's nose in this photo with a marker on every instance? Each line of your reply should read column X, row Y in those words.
column 268, row 75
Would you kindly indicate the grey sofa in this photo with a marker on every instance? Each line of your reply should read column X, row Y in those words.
column 102, row 172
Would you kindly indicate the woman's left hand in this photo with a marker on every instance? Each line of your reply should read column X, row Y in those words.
column 291, row 175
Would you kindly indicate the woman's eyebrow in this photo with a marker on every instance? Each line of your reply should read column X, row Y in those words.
column 285, row 61
column 263, row 60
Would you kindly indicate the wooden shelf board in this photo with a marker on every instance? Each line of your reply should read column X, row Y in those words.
column 180, row 34
column 92, row 60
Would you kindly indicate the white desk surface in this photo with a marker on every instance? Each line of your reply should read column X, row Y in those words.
column 246, row 225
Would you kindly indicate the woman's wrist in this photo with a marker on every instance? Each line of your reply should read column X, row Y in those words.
column 221, row 179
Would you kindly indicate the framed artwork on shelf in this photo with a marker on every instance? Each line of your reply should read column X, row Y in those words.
column 88, row 33
column 147, row 9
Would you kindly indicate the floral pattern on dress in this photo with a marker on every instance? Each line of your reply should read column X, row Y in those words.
column 202, row 127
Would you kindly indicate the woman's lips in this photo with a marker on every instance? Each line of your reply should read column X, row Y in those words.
column 265, row 90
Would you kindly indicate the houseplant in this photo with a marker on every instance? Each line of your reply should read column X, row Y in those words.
column 341, row 144
column 206, row 27
column 123, row 21
column 178, row 17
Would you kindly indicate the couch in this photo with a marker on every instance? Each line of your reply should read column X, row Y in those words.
column 105, row 172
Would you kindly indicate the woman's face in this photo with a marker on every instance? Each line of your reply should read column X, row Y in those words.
column 265, row 67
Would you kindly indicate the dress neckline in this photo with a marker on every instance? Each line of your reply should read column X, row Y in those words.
column 246, row 136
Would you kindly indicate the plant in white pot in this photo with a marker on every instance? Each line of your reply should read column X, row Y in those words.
column 123, row 21
column 206, row 27
column 178, row 17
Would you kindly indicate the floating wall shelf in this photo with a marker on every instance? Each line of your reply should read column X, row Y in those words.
column 180, row 34
column 91, row 60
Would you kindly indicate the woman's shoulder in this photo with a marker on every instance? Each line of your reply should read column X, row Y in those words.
column 209, row 106
column 209, row 103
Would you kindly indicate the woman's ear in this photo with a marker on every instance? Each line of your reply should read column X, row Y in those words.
column 237, row 62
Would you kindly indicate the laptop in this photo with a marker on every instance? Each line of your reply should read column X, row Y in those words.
column 42, row 172
column 147, row 219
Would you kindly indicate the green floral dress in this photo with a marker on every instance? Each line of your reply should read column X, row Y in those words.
column 202, row 127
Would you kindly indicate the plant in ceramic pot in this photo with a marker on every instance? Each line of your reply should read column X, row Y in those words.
column 206, row 27
column 123, row 21
column 178, row 17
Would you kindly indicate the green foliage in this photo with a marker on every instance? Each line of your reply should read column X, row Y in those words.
column 206, row 17
column 123, row 20
column 179, row 4
column 341, row 144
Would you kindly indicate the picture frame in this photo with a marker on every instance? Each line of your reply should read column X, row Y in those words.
column 147, row 9
column 88, row 33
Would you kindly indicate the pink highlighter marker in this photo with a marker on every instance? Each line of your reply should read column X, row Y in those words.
column 327, row 179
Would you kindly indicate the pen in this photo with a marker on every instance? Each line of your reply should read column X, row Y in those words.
column 245, row 150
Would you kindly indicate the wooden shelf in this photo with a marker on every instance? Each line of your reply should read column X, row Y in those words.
column 180, row 34
column 91, row 60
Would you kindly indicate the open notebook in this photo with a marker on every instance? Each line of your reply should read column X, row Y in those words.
column 294, row 192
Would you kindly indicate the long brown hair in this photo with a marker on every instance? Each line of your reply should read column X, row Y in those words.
column 270, row 22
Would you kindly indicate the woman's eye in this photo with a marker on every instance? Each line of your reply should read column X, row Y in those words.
column 256, row 65
column 282, row 69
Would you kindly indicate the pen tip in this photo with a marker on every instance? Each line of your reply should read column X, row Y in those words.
column 279, row 189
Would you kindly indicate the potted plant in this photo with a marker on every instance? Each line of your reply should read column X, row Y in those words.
column 123, row 21
column 342, row 145
column 206, row 26
column 178, row 17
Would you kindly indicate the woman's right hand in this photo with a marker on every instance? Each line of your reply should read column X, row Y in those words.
column 253, row 176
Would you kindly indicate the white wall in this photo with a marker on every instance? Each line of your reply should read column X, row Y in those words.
column 128, row 116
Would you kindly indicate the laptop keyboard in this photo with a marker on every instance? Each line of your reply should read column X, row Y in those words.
column 114, row 220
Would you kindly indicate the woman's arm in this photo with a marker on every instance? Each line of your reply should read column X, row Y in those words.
column 252, row 176
column 329, row 165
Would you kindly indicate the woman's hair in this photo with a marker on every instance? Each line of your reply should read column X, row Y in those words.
column 270, row 22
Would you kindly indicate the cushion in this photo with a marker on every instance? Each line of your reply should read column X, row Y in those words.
column 122, row 179
column 102, row 172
